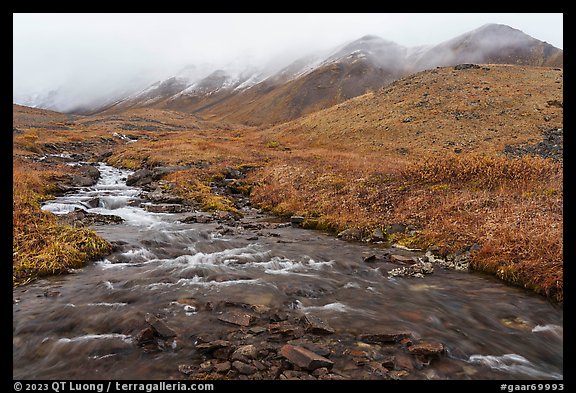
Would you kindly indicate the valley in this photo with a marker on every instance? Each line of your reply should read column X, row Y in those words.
column 399, row 221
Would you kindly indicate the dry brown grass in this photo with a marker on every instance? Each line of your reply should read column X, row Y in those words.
column 382, row 158
column 40, row 246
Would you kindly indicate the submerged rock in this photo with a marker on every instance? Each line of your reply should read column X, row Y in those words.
column 159, row 327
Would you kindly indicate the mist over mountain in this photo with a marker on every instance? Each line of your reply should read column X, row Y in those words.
column 280, row 90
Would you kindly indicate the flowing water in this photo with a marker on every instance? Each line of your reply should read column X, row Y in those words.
column 83, row 325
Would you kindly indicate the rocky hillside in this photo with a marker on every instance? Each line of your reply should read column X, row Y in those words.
column 312, row 83
column 452, row 109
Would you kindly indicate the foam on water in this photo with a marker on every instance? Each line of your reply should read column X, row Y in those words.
column 88, row 337
column 512, row 363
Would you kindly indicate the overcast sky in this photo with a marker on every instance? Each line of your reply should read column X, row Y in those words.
column 91, row 54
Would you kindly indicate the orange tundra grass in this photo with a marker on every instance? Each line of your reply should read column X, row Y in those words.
column 40, row 245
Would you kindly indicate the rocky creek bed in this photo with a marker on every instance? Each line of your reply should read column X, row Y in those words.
column 189, row 294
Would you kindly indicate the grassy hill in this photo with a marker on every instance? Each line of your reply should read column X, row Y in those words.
column 431, row 152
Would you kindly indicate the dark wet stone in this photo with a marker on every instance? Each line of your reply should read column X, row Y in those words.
column 94, row 202
column 384, row 338
column 403, row 362
column 244, row 353
column 222, row 367
column 388, row 361
column 161, row 171
column 139, row 178
column 244, row 368
column 320, row 372
column 211, row 346
column 370, row 258
column 80, row 217
column 305, row 358
column 159, row 327
column 144, row 336
column 87, row 175
column 378, row 235
column 285, row 329
column 315, row 325
column 426, row 348
column 257, row 330
column 236, row 317
column 350, row 234
column 296, row 221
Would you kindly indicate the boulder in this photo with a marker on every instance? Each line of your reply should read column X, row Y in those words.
column 316, row 325
column 80, row 217
column 165, row 208
column 378, row 235
column 304, row 358
column 296, row 221
column 159, row 327
column 350, row 234
column 161, row 171
column 139, row 178
column 145, row 336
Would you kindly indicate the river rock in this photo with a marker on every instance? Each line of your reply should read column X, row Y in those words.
column 416, row 270
column 350, row 234
column 87, row 176
column 161, row 171
column 370, row 258
column 384, row 337
column 244, row 353
column 139, row 178
column 145, row 336
column 236, row 317
column 378, row 235
column 212, row 346
column 165, row 208
column 80, row 217
column 401, row 259
column 93, row 202
column 296, row 221
column 426, row 348
column 160, row 196
column 316, row 325
column 159, row 327
column 304, row 358
column 244, row 368
column 284, row 329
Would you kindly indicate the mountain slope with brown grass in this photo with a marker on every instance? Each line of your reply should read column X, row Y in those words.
column 429, row 153
column 477, row 109
column 357, row 67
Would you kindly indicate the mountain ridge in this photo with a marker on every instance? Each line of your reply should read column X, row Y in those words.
column 257, row 97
